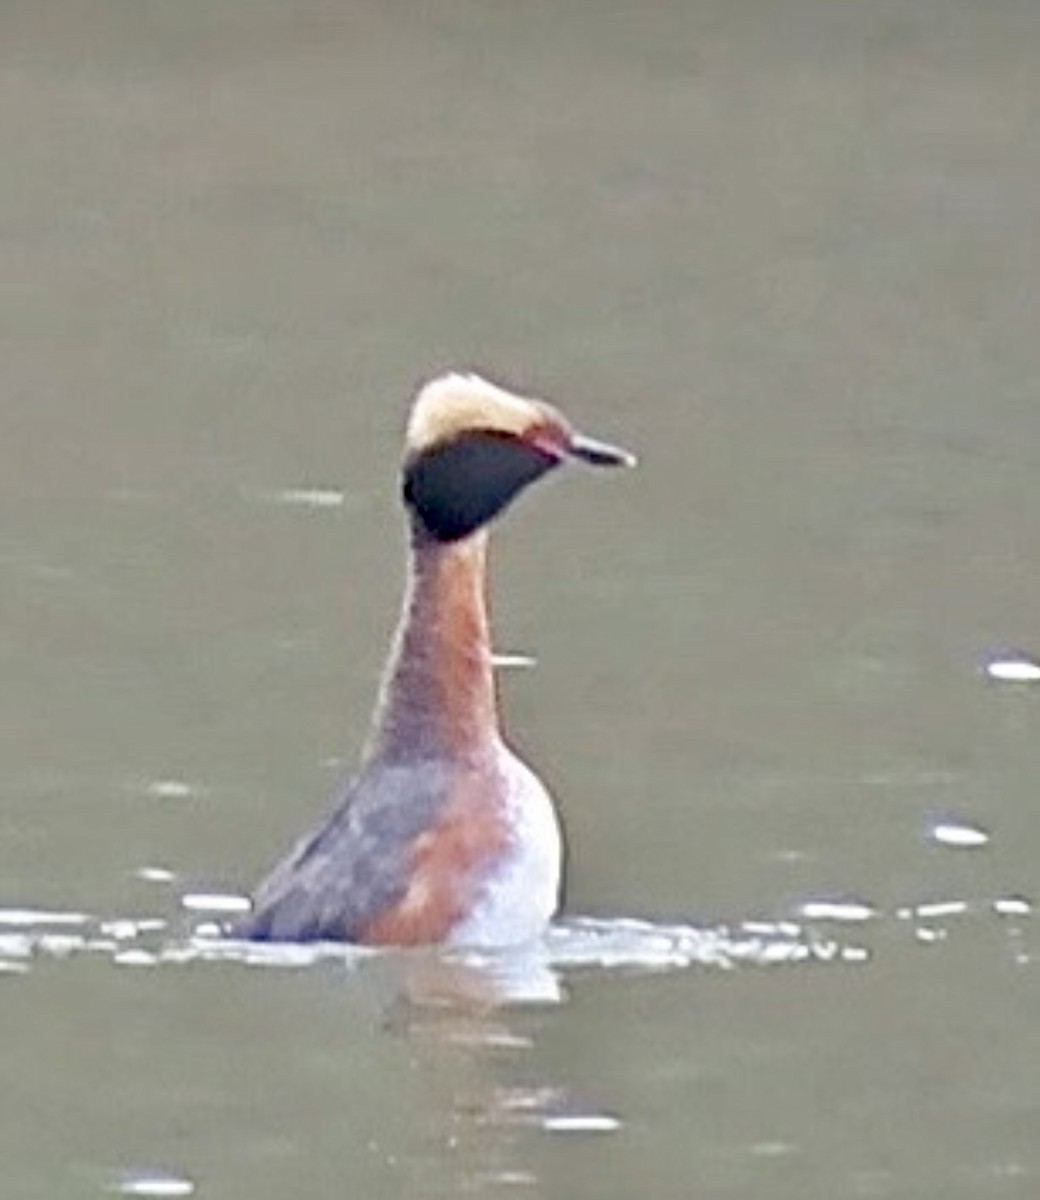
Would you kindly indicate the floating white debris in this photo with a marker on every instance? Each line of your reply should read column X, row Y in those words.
column 773, row 1149
column 306, row 497
column 64, row 945
column 122, row 929
column 769, row 928
column 1014, row 669
column 506, row 1179
column 941, row 908
column 514, row 662
column 499, row 1039
column 214, row 947
column 135, row 958
column 1012, row 906
column 29, row 917
column 837, row 910
column 155, row 874
column 169, row 789
column 788, row 929
column 215, row 902
column 627, row 942
column 855, row 954
column 208, row 929
column 581, row 1123
column 156, row 1185
column 959, row 835
column 928, row 935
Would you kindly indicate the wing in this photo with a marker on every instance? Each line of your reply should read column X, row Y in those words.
column 354, row 868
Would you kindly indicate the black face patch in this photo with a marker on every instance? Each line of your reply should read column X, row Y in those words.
column 456, row 488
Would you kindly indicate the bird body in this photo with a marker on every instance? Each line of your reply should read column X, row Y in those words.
column 444, row 835
column 422, row 852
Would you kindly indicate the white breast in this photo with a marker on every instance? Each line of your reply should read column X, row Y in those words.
column 522, row 895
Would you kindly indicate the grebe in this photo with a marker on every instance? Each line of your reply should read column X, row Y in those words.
column 444, row 835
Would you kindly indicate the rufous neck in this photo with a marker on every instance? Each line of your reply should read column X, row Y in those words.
column 438, row 695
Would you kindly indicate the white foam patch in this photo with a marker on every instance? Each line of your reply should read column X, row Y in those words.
column 628, row 943
column 155, row 1185
column 169, row 789
column 155, row 874
column 135, row 958
column 537, row 973
column 851, row 911
column 304, row 497
column 773, row 1149
column 581, row 1123
column 507, row 661
column 928, row 935
column 122, row 929
column 532, row 974
column 30, row 918
column 225, row 903
column 941, row 908
column 959, row 835
column 1014, row 669
column 211, row 947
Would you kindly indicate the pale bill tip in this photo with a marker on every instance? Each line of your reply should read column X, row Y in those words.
column 599, row 454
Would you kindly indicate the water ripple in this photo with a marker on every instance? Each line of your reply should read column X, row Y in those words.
column 538, row 974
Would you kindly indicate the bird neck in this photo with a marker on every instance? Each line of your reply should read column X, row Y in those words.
column 438, row 697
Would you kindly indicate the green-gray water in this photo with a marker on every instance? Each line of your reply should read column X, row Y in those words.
column 788, row 253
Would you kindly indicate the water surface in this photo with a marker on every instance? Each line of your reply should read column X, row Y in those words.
column 788, row 258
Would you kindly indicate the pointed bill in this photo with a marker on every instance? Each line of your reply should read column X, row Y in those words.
column 598, row 454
